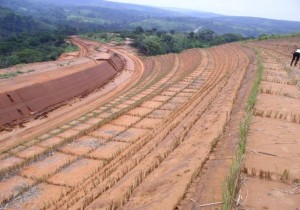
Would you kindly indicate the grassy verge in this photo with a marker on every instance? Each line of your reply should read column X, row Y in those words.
column 71, row 48
column 14, row 74
column 231, row 183
column 10, row 74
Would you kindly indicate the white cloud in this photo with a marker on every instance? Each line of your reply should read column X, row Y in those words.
column 274, row 9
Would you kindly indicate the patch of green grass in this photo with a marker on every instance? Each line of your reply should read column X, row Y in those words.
column 104, row 37
column 71, row 48
column 30, row 70
column 10, row 74
column 231, row 183
column 14, row 74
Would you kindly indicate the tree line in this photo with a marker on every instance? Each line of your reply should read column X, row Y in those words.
column 33, row 47
column 155, row 42
column 45, row 46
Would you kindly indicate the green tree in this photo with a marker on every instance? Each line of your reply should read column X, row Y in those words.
column 139, row 30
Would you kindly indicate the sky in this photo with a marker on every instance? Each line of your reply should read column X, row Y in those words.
column 273, row 9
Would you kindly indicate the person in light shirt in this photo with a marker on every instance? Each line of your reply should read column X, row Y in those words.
column 296, row 56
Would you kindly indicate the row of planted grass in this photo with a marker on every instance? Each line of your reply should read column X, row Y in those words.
column 126, row 157
column 231, row 183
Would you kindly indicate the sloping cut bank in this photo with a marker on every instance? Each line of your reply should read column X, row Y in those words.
column 19, row 104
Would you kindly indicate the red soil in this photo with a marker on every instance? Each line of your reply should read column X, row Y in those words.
column 271, row 174
column 162, row 139
column 46, row 91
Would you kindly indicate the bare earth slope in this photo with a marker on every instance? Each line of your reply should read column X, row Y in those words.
column 29, row 95
column 271, row 177
column 139, row 150
column 152, row 142
column 70, row 109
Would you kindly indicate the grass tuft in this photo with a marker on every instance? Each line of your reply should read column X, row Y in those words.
column 230, row 185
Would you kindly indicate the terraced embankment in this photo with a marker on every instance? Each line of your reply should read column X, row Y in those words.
column 141, row 149
column 40, row 93
column 271, row 174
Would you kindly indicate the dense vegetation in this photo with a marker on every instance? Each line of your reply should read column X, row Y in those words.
column 12, row 24
column 154, row 42
column 32, row 47
column 106, row 37
column 84, row 16
column 24, row 39
column 277, row 36
column 98, row 15
column 34, row 30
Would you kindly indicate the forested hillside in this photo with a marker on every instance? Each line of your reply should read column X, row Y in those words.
column 34, row 30
column 155, row 42
column 250, row 27
column 13, row 24
column 24, row 39
column 32, row 47
column 98, row 15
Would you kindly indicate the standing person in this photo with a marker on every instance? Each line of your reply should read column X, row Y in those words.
column 296, row 55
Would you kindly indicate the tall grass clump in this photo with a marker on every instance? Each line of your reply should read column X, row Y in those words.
column 71, row 48
column 231, row 183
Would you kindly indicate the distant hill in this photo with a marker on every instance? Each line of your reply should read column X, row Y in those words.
column 12, row 24
column 246, row 26
column 138, row 9
column 193, row 13
column 99, row 15
column 254, row 26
